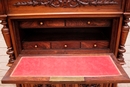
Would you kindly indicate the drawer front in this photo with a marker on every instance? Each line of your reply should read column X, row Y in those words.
column 65, row 45
column 88, row 22
column 36, row 45
column 42, row 23
column 94, row 44
column 63, row 6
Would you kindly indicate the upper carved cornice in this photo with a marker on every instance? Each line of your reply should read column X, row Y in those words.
column 65, row 3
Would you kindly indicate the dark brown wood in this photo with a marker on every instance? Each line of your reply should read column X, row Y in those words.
column 1, row 8
column 95, row 44
column 59, row 27
column 127, row 6
column 65, row 45
column 36, row 45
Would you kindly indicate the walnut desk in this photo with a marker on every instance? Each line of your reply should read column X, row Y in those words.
column 82, row 30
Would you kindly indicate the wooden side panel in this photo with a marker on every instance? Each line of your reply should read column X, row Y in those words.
column 1, row 8
column 127, row 9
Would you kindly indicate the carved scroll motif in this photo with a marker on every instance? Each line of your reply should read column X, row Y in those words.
column 124, row 34
column 65, row 3
column 6, row 34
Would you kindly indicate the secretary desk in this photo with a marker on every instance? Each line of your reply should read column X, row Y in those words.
column 65, row 43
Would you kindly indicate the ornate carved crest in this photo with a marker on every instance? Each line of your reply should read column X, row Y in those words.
column 65, row 3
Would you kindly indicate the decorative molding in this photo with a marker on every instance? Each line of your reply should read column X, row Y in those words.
column 65, row 3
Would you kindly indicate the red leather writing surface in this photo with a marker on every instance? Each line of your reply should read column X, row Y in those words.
column 49, row 66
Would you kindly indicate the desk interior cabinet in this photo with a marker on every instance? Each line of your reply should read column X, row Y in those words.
column 65, row 27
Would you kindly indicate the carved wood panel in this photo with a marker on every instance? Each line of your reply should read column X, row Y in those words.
column 52, row 6
column 66, row 3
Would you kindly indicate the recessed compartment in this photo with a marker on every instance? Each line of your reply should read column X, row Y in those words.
column 67, row 37
column 66, row 34
column 63, row 35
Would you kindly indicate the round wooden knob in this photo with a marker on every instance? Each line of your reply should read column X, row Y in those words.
column 65, row 45
column 41, row 23
column 88, row 22
column 95, row 45
column 36, row 46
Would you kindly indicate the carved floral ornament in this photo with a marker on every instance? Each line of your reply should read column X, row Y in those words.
column 65, row 3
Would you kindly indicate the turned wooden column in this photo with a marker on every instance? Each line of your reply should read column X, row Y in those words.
column 124, row 34
column 6, row 35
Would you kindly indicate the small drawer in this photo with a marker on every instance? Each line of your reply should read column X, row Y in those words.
column 65, row 45
column 94, row 44
column 42, row 23
column 88, row 22
column 36, row 45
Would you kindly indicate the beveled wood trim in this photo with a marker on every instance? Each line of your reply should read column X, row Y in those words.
column 62, row 51
column 63, row 15
column 3, row 17
column 66, row 13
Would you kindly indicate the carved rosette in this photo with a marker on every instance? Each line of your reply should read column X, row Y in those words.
column 6, row 35
column 65, row 3
column 124, row 34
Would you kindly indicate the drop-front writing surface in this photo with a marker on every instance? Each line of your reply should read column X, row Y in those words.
column 60, row 69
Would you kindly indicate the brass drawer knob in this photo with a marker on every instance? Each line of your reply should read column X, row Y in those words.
column 95, row 45
column 65, row 45
column 88, row 22
column 36, row 46
column 41, row 23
